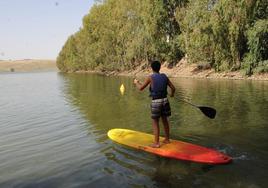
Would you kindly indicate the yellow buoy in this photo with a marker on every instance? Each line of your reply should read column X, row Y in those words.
column 122, row 89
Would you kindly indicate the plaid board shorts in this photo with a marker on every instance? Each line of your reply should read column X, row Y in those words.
column 160, row 107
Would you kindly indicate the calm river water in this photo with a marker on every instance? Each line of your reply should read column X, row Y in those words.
column 53, row 132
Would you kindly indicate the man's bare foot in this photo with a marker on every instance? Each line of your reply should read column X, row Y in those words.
column 166, row 141
column 154, row 145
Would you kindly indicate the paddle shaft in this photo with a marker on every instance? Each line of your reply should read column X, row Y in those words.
column 187, row 102
column 207, row 111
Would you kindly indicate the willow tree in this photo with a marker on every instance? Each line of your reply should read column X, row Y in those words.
column 217, row 32
column 256, row 60
column 69, row 56
column 213, row 32
column 196, row 38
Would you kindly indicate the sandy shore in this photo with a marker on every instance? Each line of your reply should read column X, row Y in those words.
column 185, row 70
column 28, row 65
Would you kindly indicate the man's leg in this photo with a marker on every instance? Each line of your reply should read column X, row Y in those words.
column 156, row 133
column 166, row 128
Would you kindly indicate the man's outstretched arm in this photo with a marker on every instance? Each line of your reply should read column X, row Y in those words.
column 140, row 85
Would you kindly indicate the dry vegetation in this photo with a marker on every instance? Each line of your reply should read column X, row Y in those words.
column 27, row 65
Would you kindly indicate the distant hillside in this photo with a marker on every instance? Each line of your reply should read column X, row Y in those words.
column 28, row 65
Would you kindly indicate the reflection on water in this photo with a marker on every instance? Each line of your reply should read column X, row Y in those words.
column 53, row 132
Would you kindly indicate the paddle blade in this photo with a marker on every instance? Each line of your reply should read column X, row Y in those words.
column 209, row 112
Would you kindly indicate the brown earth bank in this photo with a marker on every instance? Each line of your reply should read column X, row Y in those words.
column 185, row 70
column 27, row 65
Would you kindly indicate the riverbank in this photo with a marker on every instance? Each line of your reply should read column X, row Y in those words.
column 182, row 69
column 186, row 70
column 27, row 65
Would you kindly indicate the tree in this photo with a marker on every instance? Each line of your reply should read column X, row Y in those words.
column 120, row 34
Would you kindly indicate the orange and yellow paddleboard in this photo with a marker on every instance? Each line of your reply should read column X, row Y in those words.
column 175, row 149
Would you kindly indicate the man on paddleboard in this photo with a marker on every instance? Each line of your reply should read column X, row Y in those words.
column 160, row 107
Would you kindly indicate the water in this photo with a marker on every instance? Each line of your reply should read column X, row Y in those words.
column 53, row 132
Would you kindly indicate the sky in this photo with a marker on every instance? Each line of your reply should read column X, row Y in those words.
column 37, row 29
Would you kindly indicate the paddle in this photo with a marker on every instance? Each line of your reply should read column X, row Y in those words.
column 208, row 111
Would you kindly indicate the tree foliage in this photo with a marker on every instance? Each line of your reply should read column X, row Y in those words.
column 220, row 32
column 119, row 34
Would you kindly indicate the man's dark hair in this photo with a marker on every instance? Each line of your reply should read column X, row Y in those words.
column 156, row 65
